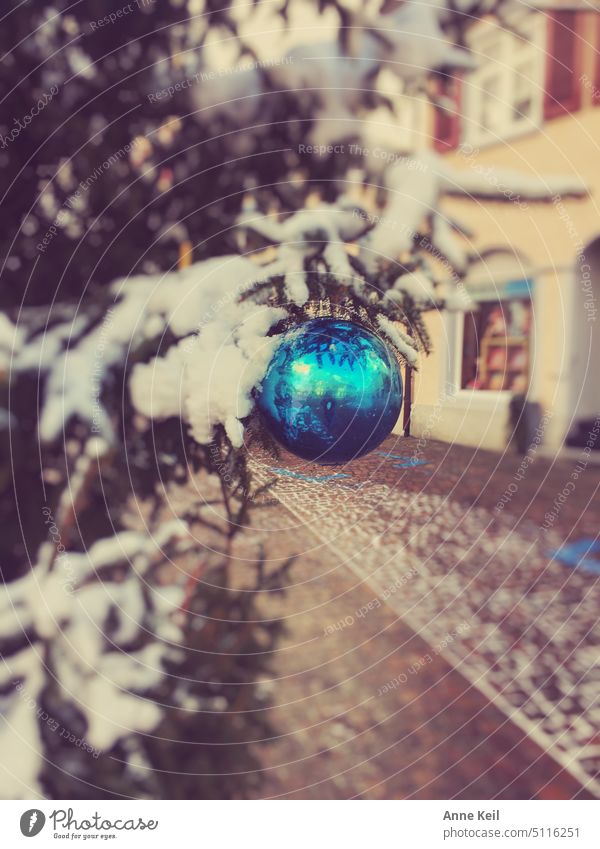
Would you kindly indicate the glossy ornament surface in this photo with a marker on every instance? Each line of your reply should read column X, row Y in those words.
column 332, row 392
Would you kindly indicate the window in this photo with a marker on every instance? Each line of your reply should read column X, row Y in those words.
column 446, row 126
column 496, row 341
column 563, row 89
column 503, row 97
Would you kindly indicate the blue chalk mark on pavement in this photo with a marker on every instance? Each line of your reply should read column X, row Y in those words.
column 407, row 462
column 312, row 478
column 410, row 462
column 577, row 555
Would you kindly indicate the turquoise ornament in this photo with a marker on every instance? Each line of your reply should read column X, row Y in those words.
column 332, row 392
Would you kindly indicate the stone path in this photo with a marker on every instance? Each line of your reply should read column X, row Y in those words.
column 435, row 646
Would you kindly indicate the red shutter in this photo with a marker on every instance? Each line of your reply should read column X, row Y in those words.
column 446, row 124
column 563, row 86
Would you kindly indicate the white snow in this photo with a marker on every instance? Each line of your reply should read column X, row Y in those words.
column 156, row 387
column 417, row 285
column 71, row 621
column 227, row 363
column 21, row 742
column 112, row 713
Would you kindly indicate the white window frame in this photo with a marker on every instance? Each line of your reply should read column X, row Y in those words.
column 510, row 53
column 455, row 326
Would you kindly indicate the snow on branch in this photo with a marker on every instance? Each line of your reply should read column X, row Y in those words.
column 58, row 617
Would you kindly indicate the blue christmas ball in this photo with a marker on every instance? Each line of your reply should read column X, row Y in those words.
column 332, row 392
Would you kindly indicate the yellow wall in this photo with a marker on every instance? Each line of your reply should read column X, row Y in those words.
column 550, row 236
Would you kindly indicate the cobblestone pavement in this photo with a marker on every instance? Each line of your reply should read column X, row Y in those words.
column 436, row 647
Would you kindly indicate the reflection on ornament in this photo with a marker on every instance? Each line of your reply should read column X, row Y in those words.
column 332, row 392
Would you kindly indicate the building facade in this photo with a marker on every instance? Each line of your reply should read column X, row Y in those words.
column 532, row 106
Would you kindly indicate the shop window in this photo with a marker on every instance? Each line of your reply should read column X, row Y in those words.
column 496, row 345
